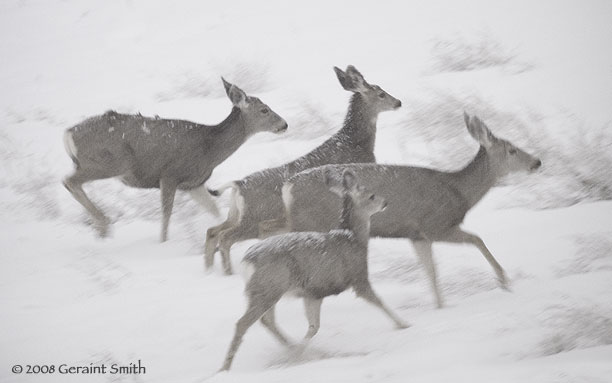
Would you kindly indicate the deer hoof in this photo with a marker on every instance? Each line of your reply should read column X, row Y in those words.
column 503, row 284
column 227, row 268
column 402, row 326
column 103, row 229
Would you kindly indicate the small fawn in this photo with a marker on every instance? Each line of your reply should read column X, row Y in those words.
column 312, row 265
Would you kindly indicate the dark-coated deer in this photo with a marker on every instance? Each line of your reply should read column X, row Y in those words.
column 426, row 205
column 257, row 197
column 159, row 153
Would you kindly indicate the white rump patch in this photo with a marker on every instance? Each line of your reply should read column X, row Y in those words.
column 71, row 148
column 287, row 195
column 239, row 203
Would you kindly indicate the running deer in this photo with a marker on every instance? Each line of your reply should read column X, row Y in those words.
column 426, row 205
column 257, row 197
column 312, row 265
column 158, row 153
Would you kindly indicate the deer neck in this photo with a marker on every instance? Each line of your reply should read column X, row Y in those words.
column 477, row 178
column 353, row 221
column 227, row 136
column 360, row 123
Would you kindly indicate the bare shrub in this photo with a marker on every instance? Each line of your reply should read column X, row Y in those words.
column 573, row 328
column 577, row 159
column 577, row 162
column 460, row 54
column 39, row 194
column 438, row 122
column 28, row 182
column 309, row 121
column 252, row 76
column 593, row 253
column 189, row 85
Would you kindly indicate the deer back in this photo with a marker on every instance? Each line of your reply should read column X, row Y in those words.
column 420, row 201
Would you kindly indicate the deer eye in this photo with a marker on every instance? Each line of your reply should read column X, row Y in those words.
column 382, row 95
column 372, row 197
column 512, row 151
column 265, row 111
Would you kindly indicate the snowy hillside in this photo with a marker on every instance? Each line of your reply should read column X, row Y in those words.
column 539, row 74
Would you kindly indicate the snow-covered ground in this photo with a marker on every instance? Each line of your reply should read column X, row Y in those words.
column 539, row 73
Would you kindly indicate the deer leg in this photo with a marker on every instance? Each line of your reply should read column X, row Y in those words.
column 313, row 314
column 74, row 184
column 370, row 296
column 227, row 238
column 203, row 198
column 212, row 242
column 461, row 236
column 272, row 227
column 253, row 313
column 212, row 234
column 269, row 322
column 168, row 190
column 423, row 250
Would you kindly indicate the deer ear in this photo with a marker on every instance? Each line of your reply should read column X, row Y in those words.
column 343, row 78
column 479, row 131
column 466, row 118
column 351, row 80
column 238, row 97
column 226, row 85
column 333, row 183
column 235, row 94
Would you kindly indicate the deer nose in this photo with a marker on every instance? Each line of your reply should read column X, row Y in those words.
column 536, row 165
column 398, row 104
column 283, row 128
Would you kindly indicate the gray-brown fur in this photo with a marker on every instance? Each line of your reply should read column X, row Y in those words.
column 161, row 153
column 312, row 265
column 257, row 198
column 425, row 205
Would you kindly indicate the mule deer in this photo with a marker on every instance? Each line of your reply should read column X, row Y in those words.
column 312, row 265
column 427, row 205
column 257, row 197
column 158, row 153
